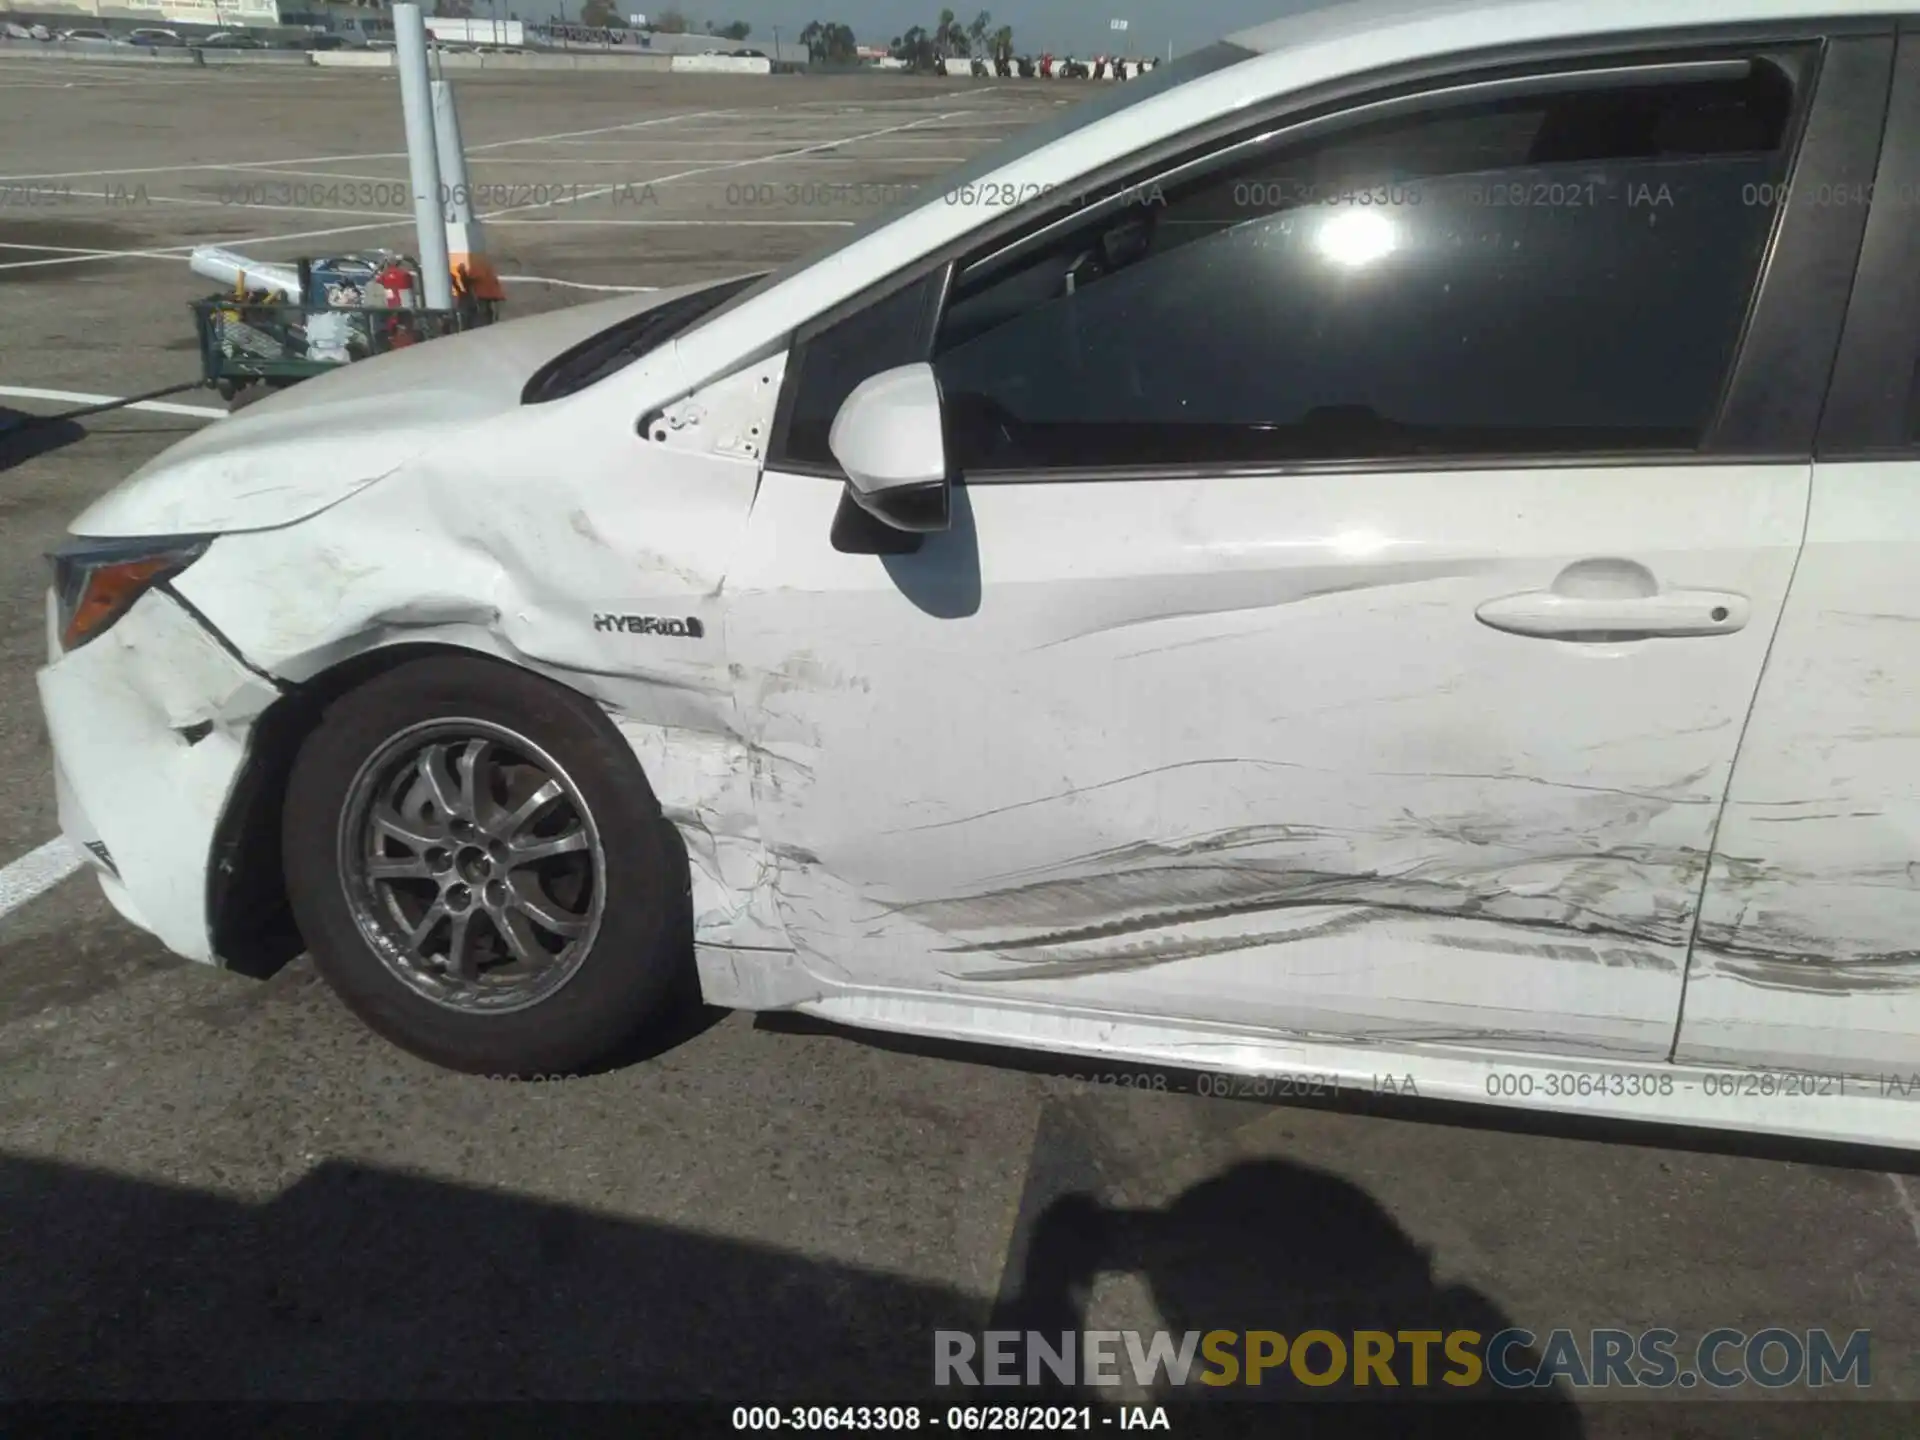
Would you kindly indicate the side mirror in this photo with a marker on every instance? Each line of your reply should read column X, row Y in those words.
column 889, row 439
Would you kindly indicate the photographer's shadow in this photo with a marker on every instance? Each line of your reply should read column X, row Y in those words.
column 1273, row 1246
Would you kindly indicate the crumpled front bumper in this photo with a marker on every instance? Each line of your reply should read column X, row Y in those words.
column 149, row 726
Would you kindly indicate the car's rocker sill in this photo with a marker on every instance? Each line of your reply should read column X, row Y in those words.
column 1846, row 1109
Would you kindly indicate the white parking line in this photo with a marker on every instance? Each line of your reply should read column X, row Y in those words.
column 576, row 284
column 37, row 872
column 597, row 192
column 835, row 136
column 367, row 154
column 210, row 165
column 546, row 161
column 72, row 254
column 80, row 397
column 57, row 255
column 327, row 174
column 181, row 258
column 720, row 222
column 743, row 163
column 217, row 204
column 181, row 252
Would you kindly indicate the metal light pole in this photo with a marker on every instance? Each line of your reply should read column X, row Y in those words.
column 423, row 159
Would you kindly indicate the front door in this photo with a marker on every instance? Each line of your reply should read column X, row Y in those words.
column 1346, row 623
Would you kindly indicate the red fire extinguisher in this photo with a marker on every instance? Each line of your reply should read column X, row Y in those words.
column 395, row 279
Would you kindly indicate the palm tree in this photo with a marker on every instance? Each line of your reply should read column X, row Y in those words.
column 949, row 36
column 916, row 47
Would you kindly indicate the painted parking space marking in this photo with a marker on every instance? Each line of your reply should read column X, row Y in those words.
column 37, row 872
column 81, row 397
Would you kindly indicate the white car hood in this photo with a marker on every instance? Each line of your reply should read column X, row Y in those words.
column 321, row 440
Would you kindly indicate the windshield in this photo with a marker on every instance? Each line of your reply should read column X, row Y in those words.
column 1190, row 66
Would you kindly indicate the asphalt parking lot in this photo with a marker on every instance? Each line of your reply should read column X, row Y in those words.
column 216, row 1187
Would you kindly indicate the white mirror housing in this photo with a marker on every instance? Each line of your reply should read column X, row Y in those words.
column 889, row 438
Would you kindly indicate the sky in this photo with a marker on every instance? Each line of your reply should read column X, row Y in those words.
column 1079, row 26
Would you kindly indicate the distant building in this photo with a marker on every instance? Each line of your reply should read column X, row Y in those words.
column 480, row 30
column 194, row 14
column 370, row 21
column 560, row 35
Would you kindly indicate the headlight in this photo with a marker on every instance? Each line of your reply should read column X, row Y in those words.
column 95, row 582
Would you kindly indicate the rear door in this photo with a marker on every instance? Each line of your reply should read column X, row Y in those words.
column 1808, row 956
column 1369, row 545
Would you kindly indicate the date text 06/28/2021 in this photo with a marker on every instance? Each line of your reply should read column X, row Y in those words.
column 963, row 1419
column 1192, row 1364
column 1541, row 1084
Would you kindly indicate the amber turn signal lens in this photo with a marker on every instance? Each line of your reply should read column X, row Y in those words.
column 96, row 582
column 110, row 591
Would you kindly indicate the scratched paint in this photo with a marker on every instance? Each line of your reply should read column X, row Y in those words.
column 646, row 529
column 149, row 725
column 311, row 446
column 1809, row 947
column 471, row 530
column 1237, row 750
column 1222, row 771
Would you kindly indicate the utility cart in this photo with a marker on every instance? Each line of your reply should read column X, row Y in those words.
column 252, row 346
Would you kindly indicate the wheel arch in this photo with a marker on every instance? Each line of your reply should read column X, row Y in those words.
column 249, row 920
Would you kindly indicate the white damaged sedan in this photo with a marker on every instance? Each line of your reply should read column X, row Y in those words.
column 1378, row 555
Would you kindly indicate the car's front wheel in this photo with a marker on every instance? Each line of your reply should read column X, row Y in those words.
column 480, row 870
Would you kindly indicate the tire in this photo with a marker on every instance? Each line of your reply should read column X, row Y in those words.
column 630, row 953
